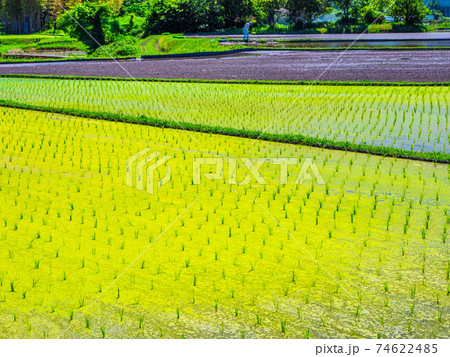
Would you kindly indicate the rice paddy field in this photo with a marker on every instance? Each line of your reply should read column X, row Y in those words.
column 83, row 255
column 412, row 119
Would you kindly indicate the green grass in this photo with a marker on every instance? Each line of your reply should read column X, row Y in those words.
column 25, row 38
column 38, row 43
column 64, row 178
column 176, row 44
column 402, row 121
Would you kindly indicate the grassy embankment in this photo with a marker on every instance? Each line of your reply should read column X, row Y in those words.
column 38, row 44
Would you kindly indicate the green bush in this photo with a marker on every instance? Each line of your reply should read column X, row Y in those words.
column 183, row 16
column 370, row 15
column 123, row 48
column 443, row 25
column 95, row 29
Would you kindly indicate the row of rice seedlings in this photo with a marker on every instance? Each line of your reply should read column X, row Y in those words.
column 379, row 116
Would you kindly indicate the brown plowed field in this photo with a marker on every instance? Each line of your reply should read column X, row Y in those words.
column 385, row 65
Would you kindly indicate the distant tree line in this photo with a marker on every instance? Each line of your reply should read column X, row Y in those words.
column 28, row 16
column 104, row 19
column 212, row 15
column 21, row 16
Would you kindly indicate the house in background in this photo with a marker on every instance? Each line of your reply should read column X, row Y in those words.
column 282, row 17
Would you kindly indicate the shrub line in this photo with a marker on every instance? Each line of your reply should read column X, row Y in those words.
column 297, row 139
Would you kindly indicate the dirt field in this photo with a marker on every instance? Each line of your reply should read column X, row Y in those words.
column 414, row 66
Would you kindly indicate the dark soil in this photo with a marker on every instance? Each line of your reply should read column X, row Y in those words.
column 371, row 65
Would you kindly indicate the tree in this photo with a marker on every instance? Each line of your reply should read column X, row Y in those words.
column 116, row 5
column 435, row 9
column 137, row 7
column 369, row 14
column 234, row 11
column 412, row 11
column 183, row 16
column 380, row 5
column 94, row 19
column 307, row 10
column 52, row 9
column 370, row 11
column 20, row 16
column 268, row 9
column 346, row 9
column 56, row 7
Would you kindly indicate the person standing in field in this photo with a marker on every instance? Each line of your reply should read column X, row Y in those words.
column 246, row 31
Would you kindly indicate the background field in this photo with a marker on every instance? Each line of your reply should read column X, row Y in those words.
column 69, row 226
column 414, row 119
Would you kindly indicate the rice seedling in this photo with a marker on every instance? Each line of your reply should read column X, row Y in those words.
column 258, row 319
column 439, row 314
column 80, row 302
column 225, row 256
column 283, row 326
column 141, row 322
column 210, row 105
column 87, row 321
column 307, row 333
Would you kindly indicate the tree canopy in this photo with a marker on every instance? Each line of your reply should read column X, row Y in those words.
column 110, row 19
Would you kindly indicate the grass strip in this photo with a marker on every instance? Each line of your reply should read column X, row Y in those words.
column 228, row 81
column 251, row 134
